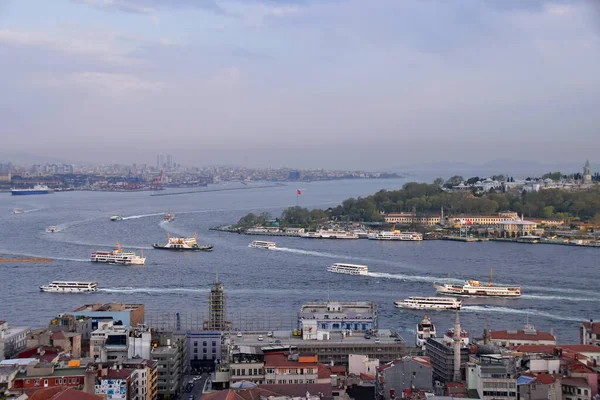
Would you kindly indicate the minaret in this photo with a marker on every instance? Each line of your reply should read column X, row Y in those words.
column 587, row 172
column 457, row 375
column 487, row 339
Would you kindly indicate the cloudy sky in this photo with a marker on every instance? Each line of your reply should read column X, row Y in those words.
column 301, row 83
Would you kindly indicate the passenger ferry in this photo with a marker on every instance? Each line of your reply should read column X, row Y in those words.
column 464, row 337
column 437, row 303
column 51, row 229
column 116, row 218
column 118, row 256
column 349, row 269
column 396, row 235
column 70, row 287
column 182, row 244
column 475, row 288
column 18, row 211
column 169, row 217
column 425, row 330
column 37, row 189
column 259, row 244
column 329, row 234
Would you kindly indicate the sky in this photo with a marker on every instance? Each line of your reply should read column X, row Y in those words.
column 342, row 84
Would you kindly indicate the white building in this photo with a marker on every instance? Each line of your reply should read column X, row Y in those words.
column 336, row 316
column 528, row 335
column 139, row 343
column 13, row 339
column 109, row 343
column 360, row 364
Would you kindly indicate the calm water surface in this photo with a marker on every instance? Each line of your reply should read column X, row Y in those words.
column 559, row 283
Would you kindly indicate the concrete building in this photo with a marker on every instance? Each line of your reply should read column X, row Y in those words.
column 361, row 364
column 496, row 378
column 68, row 323
column 358, row 316
column 590, row 333
column 291, row 368
column 13, row 339
column 576, row 389
column 204, row 348
column 170, row 351
column 247, row 364
column 528, row 335
column 109, row 343
column 146, row 374
column 516, row 228
column 139, row 343
column 441, row 357
column 539, row 387
column 409, row 218
column 117, row 383
column 413, row 373
column 42, row 375
column 129, row 315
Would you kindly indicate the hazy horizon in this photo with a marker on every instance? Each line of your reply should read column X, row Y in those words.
column 301, row 83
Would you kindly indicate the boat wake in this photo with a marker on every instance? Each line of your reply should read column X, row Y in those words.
column 561, row 290
column 310, row 253
column 506, row 310
column 142, row 216
column 32, row 210
column 566, row 298
column 166, row 225
column 132, row 290
column 412, row 278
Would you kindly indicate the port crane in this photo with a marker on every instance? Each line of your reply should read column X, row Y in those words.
column 157, row 183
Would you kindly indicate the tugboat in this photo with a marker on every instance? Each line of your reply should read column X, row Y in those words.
column 169, row 217
column 182, row 244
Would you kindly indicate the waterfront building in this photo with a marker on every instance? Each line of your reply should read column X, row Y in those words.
column 357, row 316
column 408, row 218
column 13, row 339
column 441, row 356
column 412, row 373
column 291, row 368
column 589, row 333
column 130, row 315
column 528, row 335
column 516, row 228
column 204, row 348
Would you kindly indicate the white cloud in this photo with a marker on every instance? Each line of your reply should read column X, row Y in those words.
column 103, row 83
column 256, row 14
column 118, row 5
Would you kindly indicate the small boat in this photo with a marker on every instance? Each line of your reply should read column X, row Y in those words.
column 118, row 256
column 70, row 287
column 425, row 330
column 18, row 211
column 116, row 218
column 169, row 217
column 182, row 244
column 259, row 244
column 52, row 229
column 349, row 269
column 475, row 288
column 435, row 303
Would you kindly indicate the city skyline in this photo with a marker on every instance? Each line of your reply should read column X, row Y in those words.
column 322, row 83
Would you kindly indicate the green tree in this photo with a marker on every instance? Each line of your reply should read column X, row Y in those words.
column 453, row 181
column 438, row 181
column 548, row 212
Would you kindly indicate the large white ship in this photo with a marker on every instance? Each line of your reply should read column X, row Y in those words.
column 349, row 269
column 329, row 234
column 476, row 288
column 396, row 235
column 429, row 303
column 37, row 189
column 70, row 287
column 425, row 330
column 118, row 256
column 259, row 244
column 182, row 244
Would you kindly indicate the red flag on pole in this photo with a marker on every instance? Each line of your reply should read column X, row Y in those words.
column 298, row 191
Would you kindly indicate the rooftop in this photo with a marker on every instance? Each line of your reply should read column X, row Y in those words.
column 335, row 339
column 594, row 327
column 62, row 393
column 99, row 307
column 578, row 382
column 338, row 310
column 266, row 391
column 529, row 333
column 282, row 360
column 56, row 372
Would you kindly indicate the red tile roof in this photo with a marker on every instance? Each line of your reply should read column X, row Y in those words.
column 592, row 326
column 367, row 377
column 546, row 379
column 521, row 335
column 581, row 348
column 535, row 348
column 579, row 382
column 324, row 371
column 338, row 370
column 265, row 391
column 62, row 393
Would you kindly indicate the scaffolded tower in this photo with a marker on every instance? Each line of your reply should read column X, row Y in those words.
column 216, row 309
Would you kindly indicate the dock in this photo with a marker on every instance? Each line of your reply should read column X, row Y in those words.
column 464, row 239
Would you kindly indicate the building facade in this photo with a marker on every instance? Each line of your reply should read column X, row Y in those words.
column 528, row 335
column 359, row 316
column 204, row 348
column 130, row 315
column 590, row 333
column 291, row 368
column 441, row 357
column 407, row 372
column 13, row 339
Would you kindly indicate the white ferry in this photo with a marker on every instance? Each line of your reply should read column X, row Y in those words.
column 449, row 337
column 169, row 217
column 396, row 235
column 52, row 229
column 425, row 330
column 70, row 287
column 329, row 234
column 475, row 288
column 118, row 256
column 116, row 218
column 349, row 269
column 436, row 303
column 182, row 244
column 18, row 211
column 259, row 244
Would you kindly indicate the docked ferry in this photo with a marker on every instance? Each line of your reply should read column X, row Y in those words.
column 259, row 244
column 70, row 287
column 425, row 330
column 329, row 234
column 182, row 244
column 396, row 235
column 475, row 288
column 435, row 303
column 37, row 189
column 349, row 269
column 118, row 256
column 169, row 217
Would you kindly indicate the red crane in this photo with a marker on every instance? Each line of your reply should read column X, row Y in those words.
column 157, row 183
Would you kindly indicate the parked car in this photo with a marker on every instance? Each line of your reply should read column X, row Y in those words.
column 260, row 338
column 377, row 340
column 239, row 334
column 367, row 336
column 270, row 334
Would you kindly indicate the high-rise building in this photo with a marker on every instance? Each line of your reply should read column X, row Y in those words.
column 169, row 161
column 158, row 161
column 161, row 160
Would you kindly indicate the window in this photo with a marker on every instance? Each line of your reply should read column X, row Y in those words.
column 36, row 382
column 204, row 343
column 45, row 382
column 214, row 350
column 214, row 343
column 204, row 350
column 195, row 343
column 195, row 351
